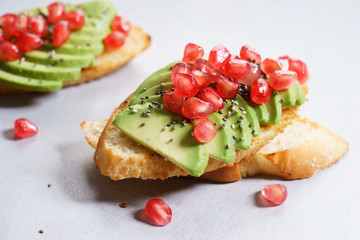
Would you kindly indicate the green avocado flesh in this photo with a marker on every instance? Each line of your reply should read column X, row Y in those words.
column 49, row 66
column 237, row 123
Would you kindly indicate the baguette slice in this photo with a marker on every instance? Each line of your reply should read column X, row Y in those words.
column 110, row 60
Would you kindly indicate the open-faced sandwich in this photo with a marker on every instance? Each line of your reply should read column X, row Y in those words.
column 48, row 48
column 220, row 118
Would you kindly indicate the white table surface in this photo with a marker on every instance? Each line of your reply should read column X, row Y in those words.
column 82, row 204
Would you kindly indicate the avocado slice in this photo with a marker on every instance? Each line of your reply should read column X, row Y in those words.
column 262, row 113
column 102, row 9
column 75, row 49
column 288, row 97
column 250, row 115
column 274, row 108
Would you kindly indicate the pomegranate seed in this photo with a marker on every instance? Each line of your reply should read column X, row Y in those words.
column 299, row 67
column 250, row 54
column 212, row 96
column 281, row 80
column 159, row 211
column 8, row 22
column 37, row 25
column 218, row 56
column 180, row 67
column 251, row 75
column 2, row 37
column 204, row 66
column 185, row 85
column 121, row 24
column 115, row 40
column 173, row 101
column 268, row 66
column 76, row 19
column 205, row 130
column 28, row 42
column 9, row 51
column 196, row 108
column 192, row 53
column 24, row 128
column 56, row 12
column 236, row 68
column 275, row 193
column 203, row 79
column 227, row 88
column 260, row 91
column 21, row 24
column 61, row 33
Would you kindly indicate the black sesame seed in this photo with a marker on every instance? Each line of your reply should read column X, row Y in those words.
column 253, row 131
column 276, row 92
column 282, row 100
column 220, row 112
column 241, row 108
column 241, row 117
column 171, row 139
column 234, row 137
column 143, row 124
column 224, row 119
column 41, row 231
column 49, row 185
column 227, row 146
column 239, row 121
column 251, row 124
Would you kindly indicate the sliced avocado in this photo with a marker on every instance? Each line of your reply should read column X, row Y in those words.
column 274, row 108
column 262, row 113
column 250, row 115
column 151, row 92
column 75, row 49
column 300, row 97
column 288, row 97
column 91, row 31
column 102, row 9
column 88, row 40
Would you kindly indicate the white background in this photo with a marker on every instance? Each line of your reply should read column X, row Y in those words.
column 82, row 204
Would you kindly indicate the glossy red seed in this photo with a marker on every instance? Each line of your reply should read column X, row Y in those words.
column 281, row 79
column 275, row 193
column 2, row 36
column 195, row 108
column 157, row 210
column 21, row 24
column 268, row 66
column 226, row 87
column 192, row 53
column 173, row 101
column 61, row 33
column 115, row 40
column 37, row 25
column 260, row 91
column 253, row 74
column 121, row 24
column 250, row 54
column 218, row 56
column 212, row 96
column 299, row 67
column 9, row 51
column 205, row 130
column 236, row 68
column 24, row 128
column 56, row 12
column 28, row 42
column 180, row 67
column 185, row 85
column 203, row 79
column 76, row 19
column 8, row 22
column 204, row 66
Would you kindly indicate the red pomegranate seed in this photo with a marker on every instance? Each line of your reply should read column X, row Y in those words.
column 21, row 24
column 268, row 66
column 61, row 33
column 28, row 42
column 236, row 68
column 121, row 24
column 159, row 211
column 250, row 54
column 180, row 67
column 192, row 53
column 212, row 96
column 196, row 108
column 299, row 67
column 251, row 75
column 204, row 66
column 218, row 56
column 226, row 87
column 56, row 12
column 24, row 128
column 2, row 37
column 185, row 85
column 275, row 193
column 173, row 101
column 115, row 40
column 8, row 22
column 260, row 91
column 203, row 79
column 205, row 130
column 37, row 25
column 76, row 19
column 281, row 80
column 9, row 51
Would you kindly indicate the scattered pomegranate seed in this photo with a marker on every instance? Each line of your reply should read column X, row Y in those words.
column 115, row 40
column 2, row 37
column 192, row 53
column 159, row 211
column 250, row 54
column 180, row 67
column 299, row 67
column 196, row 108
column 212, row 96
column 28, row 42
column 205, row 130
column 37, row 25
column 218, row 56
column 185, row 85
column 260, row 91
column 9, row 51
column 236, row 68
column 61, row 33
column 76, row 19
column 21, row 24
column 121, row 24
column 268, row 66
column 204, row 66
column 56, row 12
column 281, row 80
column 226, row 87
column 251, row 75
column 24, row 128
column 275, row 193
column 203, row 79
column 173, row 101
column 8, row 22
